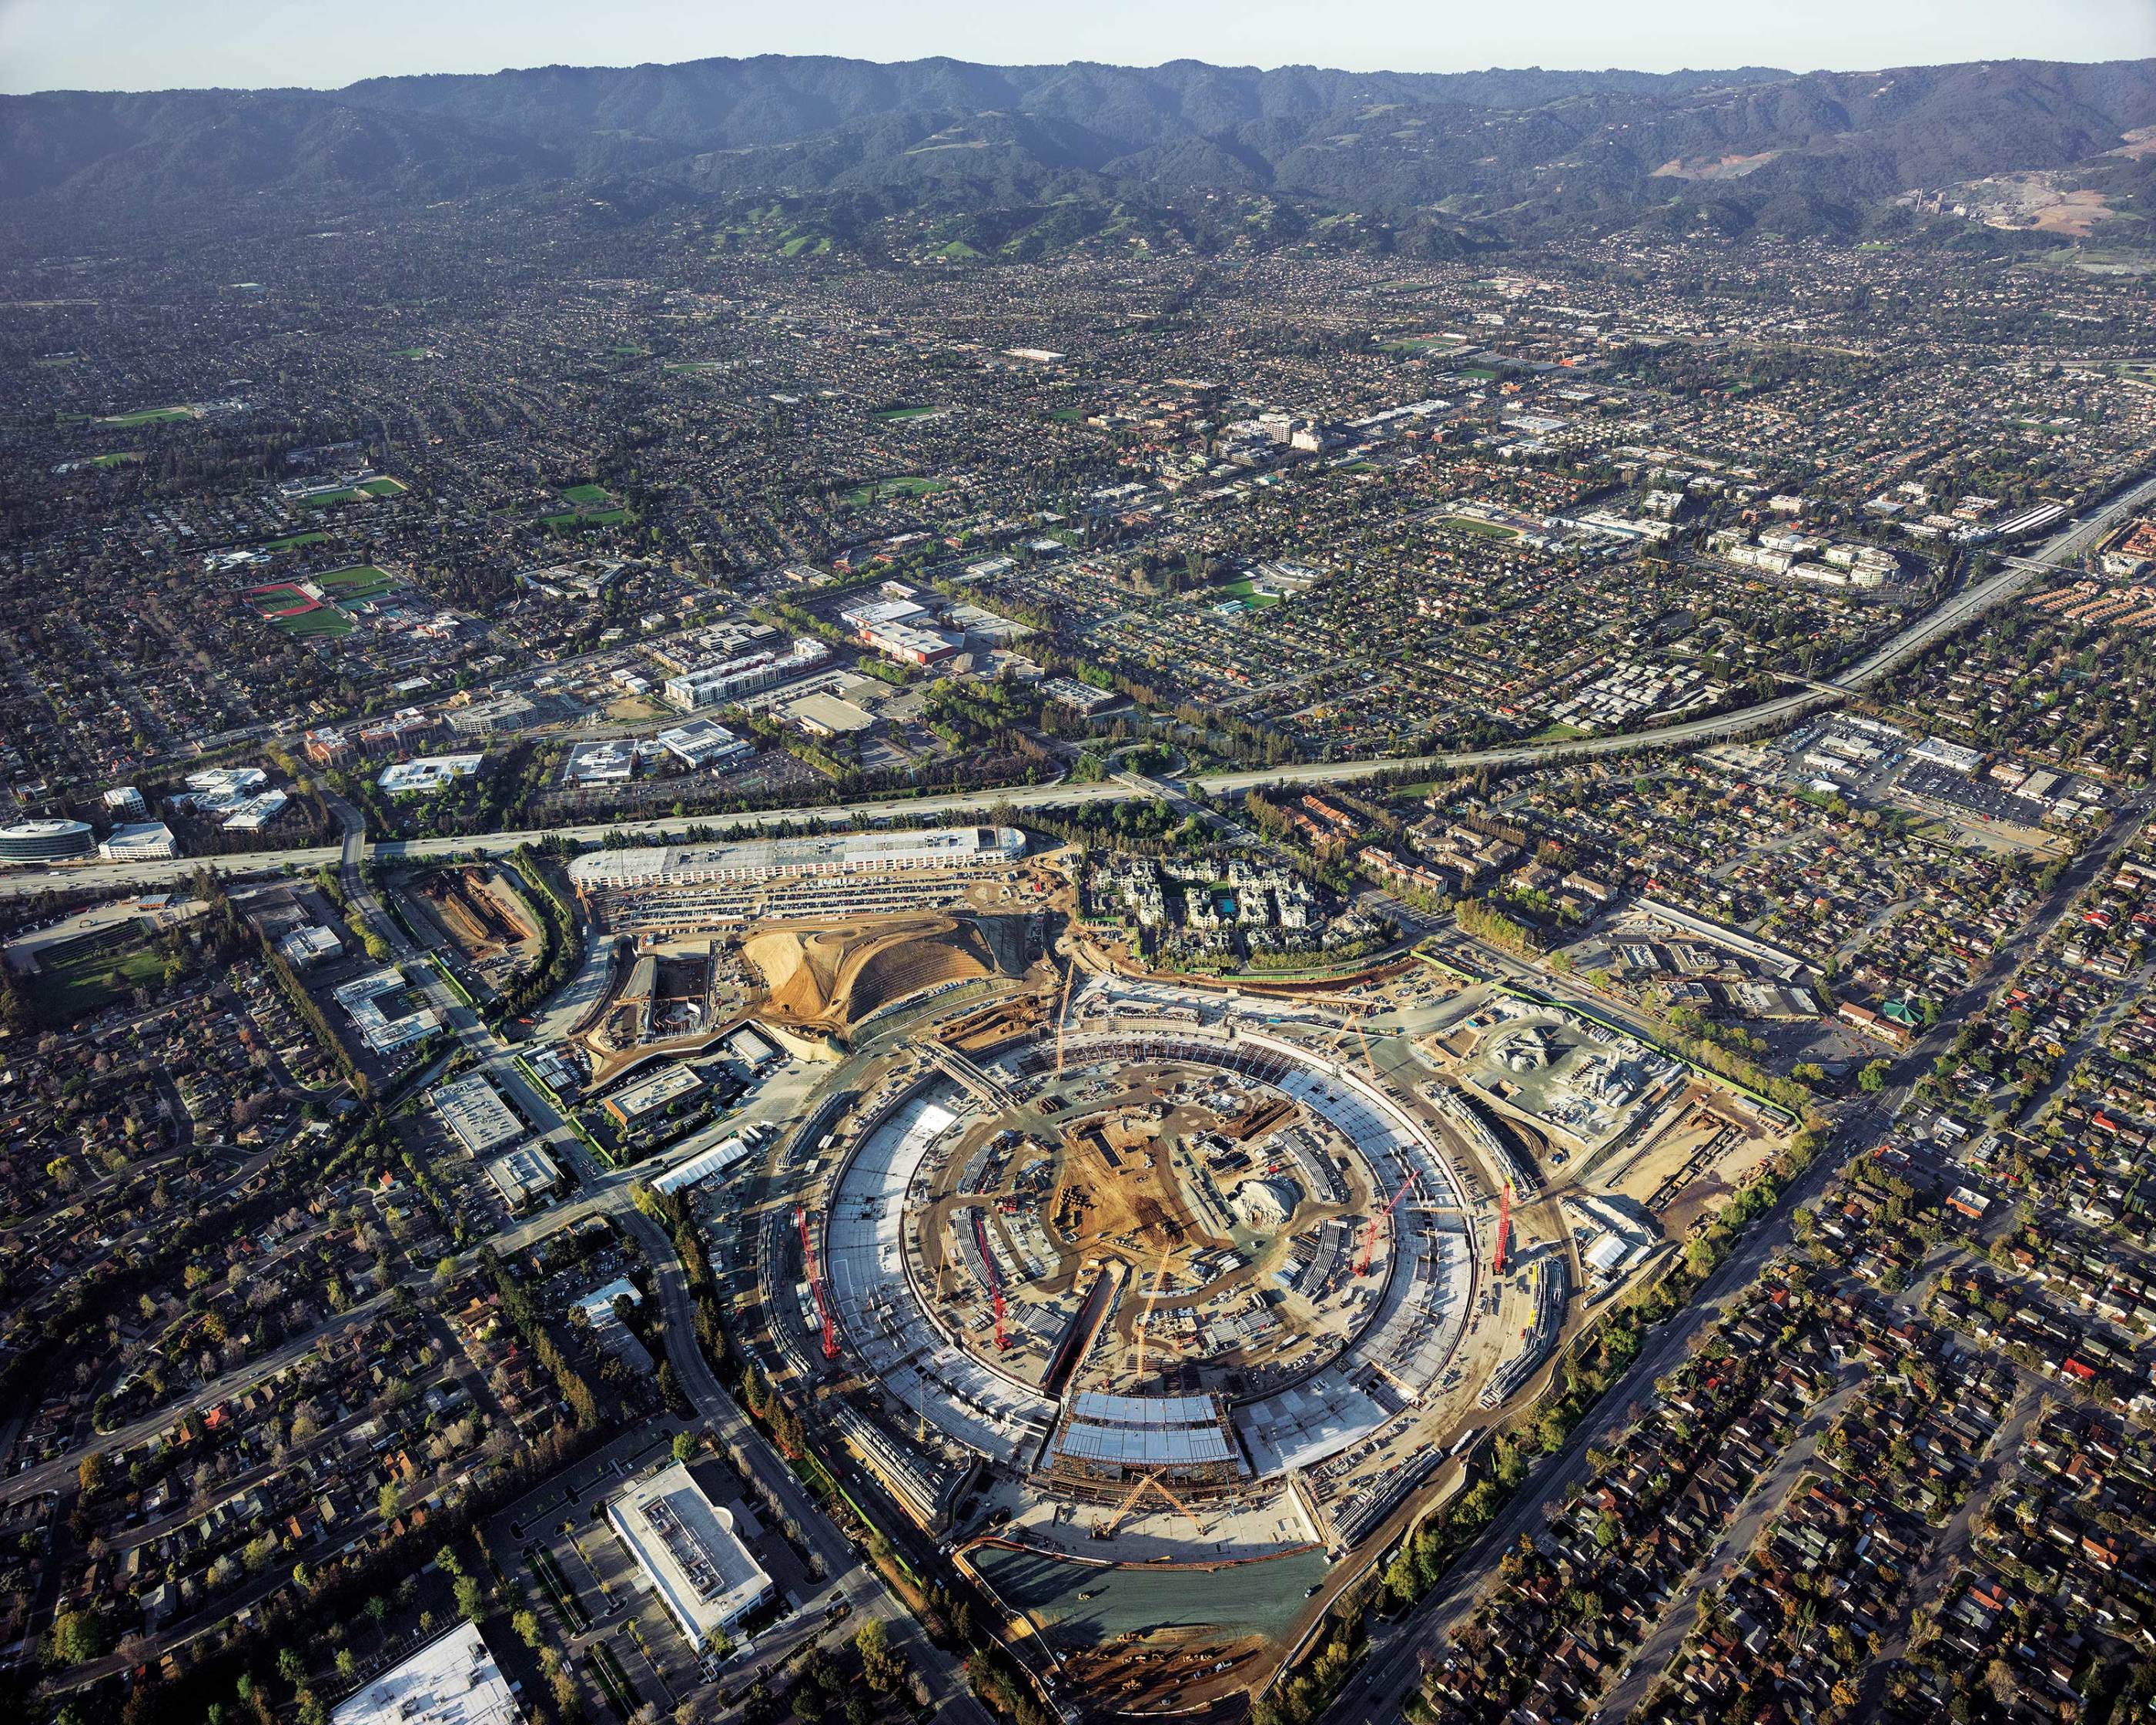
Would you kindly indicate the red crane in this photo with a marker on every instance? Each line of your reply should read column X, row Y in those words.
column 1504, row 1230
column 1370, row 1230
column 808, row 1268
column 995, row 1278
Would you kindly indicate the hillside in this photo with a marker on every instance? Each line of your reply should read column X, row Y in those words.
column 1496, row 154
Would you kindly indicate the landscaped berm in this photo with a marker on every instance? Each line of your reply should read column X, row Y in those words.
column 830, row 974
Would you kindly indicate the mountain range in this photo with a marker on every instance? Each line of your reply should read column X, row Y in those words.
column 1492, row 155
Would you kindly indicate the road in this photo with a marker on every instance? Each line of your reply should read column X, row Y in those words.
column 1970, row 603
column 1399, row 1651
column 1765, row 1501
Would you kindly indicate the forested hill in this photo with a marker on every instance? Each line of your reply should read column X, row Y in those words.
column 1496, row 154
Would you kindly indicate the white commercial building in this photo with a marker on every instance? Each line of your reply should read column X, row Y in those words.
column 472, row 1109
column 686, row 1545
column 452, row 1681
column 767, row 859
column 429, row 774
column 701, row 743
column 139, row 841
column 362, row 997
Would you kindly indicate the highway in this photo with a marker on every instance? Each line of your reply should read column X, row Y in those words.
column 2070, row 542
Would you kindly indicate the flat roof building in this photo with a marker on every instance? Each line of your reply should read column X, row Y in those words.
column 430, row 773
column 826, row 854
column 139, row 841
column 313, row 944
column 452, row 1681
column 828, row 715
column 527, row 1176
column 701, row 743
column 362, row 997
column 647, row 1097
column 608, row 762
column 472, row 1109
column 705, row 1576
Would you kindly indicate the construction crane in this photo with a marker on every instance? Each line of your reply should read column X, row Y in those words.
column 1145, row 1319
column 1504, row 1243
column 815, row 1275
column 1369, row 1059
column 1370, row 1229
column 995, row 1278
column 1108, row 1529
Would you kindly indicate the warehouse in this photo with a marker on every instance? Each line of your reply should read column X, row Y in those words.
column 472, row 1109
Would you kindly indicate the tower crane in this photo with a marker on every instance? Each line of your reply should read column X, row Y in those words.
column 814, row 1272
column 1370, row 1229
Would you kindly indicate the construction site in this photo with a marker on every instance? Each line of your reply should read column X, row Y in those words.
column 1152, row 1303
column 481, row 911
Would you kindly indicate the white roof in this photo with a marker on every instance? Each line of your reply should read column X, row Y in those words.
column 453, row 1681
column 707, row 1577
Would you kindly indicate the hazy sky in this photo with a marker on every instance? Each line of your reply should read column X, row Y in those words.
column 154, row 44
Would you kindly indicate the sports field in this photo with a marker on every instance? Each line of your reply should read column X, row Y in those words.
column 284, row 607
column 899, row 415
column 362, row 581
column 587, row 518
column 582, row 495
column 324, row 500
column 293, row 542
column 148, row 416
column 383, row 487
column 117, row 458
column 911, row 486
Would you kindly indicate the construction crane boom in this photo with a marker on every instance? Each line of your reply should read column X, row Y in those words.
column 995, row 1279
column 814, row 1272
column 1504, row 1230
column 1370, row 1228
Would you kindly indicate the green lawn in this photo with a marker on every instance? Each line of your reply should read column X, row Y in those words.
column 580, row 494
column 147, row 416
column 325, row 500
column 383, row 487
column 1484, row 530
column 1250, row 596
column 910, row 485
column 117, row 457
column 362, row 581
column 893, row 416
column 293, row 542
column 75, row 987
column 322, row 620
column 408, row 353
column 587, row 518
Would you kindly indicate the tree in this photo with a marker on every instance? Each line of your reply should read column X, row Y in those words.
column 1872, row 1078
column 471, row 1601
column 77, row 1637
column 685, row 1446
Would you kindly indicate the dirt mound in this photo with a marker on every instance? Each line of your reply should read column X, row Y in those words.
column 830, row 974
